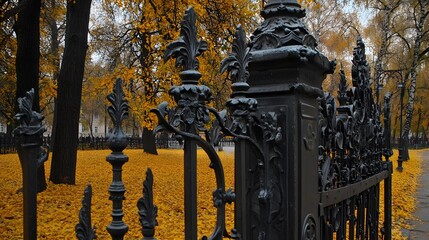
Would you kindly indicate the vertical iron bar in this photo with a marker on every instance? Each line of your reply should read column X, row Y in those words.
column 388, row 203
column 117, row 228
column 367, row 213
column 190, row 168
column 29, row 136
column 360, row 217
column 343, row 226
column 352, row 219
column 376, row 210
column 28, row 149
column 241, row 212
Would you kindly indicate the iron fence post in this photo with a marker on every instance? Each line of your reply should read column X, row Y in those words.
column 117, row 142
column 28, row 148
column 190, row 114
column 29, row 141
column 286, row 74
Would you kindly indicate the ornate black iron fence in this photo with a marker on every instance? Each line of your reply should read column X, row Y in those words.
column 350, row 158
column 305, row 166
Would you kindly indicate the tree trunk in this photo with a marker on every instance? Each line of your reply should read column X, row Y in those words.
column 66, row 141
column 381, row 55
column 27, row 30
column 418, row 128
column 54, row 51
column 420, row 21
column 148, row 139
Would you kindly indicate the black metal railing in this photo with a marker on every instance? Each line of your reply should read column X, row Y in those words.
column 351, row 164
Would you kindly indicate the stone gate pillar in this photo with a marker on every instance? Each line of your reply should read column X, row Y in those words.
column 286, row 74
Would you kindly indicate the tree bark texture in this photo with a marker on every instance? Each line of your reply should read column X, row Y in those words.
column 420, row 21
column 27, row 31
column 64, row 154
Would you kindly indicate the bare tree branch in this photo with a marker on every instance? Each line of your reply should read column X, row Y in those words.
column 12, row 12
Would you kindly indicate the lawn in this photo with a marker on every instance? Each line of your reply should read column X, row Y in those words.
column 58, row 206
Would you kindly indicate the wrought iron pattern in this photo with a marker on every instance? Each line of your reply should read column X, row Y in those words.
column 188, row 119
column 84, row 229
column 351, row 153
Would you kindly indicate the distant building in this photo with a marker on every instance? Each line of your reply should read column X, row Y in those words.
column 99, row 127
column 3, row 127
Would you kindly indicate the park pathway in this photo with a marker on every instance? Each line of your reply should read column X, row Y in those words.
column 420, row 226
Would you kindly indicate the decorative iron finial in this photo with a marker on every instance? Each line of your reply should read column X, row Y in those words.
column 118, row 111
column 147, row 210
column 187, row 48
column 117, row 142
column 236, row 64
column 360, row 68
column 237, row 61
column 342, row 88
column 29, row 120
column 84, row 229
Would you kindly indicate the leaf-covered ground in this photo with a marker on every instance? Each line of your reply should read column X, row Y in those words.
column 58, row 206
column 404, row 187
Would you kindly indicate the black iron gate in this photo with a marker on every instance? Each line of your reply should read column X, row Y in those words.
column 306, row 167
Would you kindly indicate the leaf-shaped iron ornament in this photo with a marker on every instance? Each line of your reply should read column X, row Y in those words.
column 147, row 210
column 187, row 48
column 237, row 61
column 118, row 111
column 240, row 107
column 342, row 88
column 30, row 121
column 360, row 68
column 84, row 230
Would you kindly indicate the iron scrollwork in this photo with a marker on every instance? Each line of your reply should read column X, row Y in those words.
column 191, row 110
column 263, row 132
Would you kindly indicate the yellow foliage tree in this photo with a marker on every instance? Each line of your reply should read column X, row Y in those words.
column 135, row 44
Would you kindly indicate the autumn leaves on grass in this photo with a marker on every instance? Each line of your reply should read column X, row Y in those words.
column 59, row 205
